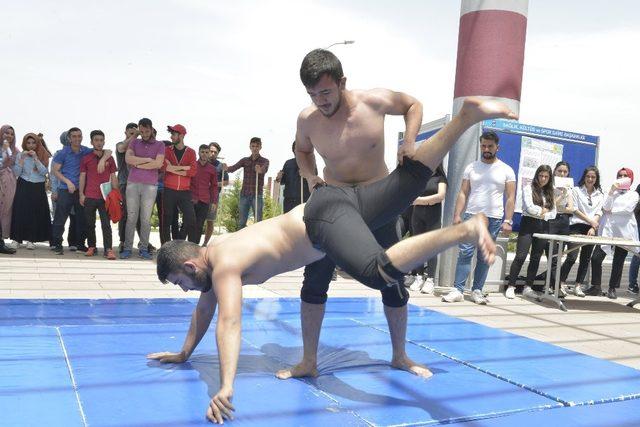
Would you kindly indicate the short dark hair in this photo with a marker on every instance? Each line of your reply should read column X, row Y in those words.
column 317, row 63
column 172, row 256
column 145, row 122
column 203, row 147
column 95, row 133
column 215, row 144
column 491, row 136
column 73, row 129
column 255, row 140
column 131, row 126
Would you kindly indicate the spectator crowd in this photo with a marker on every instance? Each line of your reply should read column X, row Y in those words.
column 87, row 183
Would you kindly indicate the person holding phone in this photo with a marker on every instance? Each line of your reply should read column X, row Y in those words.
column 618, row 221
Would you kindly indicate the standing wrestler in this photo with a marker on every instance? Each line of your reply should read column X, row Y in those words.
column 346, row 127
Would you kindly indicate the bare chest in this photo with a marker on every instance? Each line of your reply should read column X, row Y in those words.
column 348, row 138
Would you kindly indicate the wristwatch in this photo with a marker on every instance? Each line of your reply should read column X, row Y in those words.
column 508, row 221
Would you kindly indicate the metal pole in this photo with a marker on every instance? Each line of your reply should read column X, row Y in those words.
column 255, row 207
column 489, row 64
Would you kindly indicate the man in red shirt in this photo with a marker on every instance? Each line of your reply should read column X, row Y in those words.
column 204, row 189
column 179, row 168
column 91, row 196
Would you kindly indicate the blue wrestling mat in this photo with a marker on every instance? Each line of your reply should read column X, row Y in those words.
column 82, row 363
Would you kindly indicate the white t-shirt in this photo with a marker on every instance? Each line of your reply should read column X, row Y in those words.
column 487, row 181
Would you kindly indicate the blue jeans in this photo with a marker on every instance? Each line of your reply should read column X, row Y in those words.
column 246, row 203
column 67, row 201
column 465, row 255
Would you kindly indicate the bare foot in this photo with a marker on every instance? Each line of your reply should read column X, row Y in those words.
column 479, row 236
column 302, row 369
column 409, row 365
column 478, row 109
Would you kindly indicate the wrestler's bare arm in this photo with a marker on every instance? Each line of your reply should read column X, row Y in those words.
column 305, row 156
column 200, row 321
column 399, row 104
column 228, row 289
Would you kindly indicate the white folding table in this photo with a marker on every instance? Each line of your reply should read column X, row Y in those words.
column 579, row 241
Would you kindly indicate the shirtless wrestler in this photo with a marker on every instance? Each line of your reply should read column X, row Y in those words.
column 298, row 238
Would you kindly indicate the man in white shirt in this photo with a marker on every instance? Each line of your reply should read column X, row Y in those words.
column 484, row 185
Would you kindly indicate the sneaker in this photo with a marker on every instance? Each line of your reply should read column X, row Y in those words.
column 31, row 246
column 633, row 289
column 90, row 252
column 13, row 245
column 144, row 254
column 110, row 254
column 58, row 250
column 453, row 296
column 510, row 293
column 73, row 248
column 408, row 280
column 417, row 284
column 125, row 254
column 611, row 293
column 4, row 249
column 528, row 292
column 151, row 248
column 121, row 247
column 478, row 298
column 577, row 291
column 563, row 292
column 427, row 287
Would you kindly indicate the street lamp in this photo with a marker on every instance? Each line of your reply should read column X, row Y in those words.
column 344, row 42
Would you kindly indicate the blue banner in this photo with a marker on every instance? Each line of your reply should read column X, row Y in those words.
column 513, row 126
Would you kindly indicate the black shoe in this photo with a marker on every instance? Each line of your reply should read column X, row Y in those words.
column 151, row 248
column 121, row 248
column 633, row 289
column 82, row 248
column 611, row 293
column 58, row 250
column 593, row 291
column 7, row 250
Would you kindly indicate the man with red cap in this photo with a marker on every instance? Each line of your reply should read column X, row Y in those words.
column 179, row 167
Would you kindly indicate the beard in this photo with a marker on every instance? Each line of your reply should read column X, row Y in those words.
column 488, row 156
column 203, row 280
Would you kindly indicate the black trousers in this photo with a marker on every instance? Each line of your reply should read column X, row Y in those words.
column 423, row 220
column 201, row 209
column 559, row 225
column 182, row 200
column 289, row 203
column 585, row 256
column 526, row 241
column 90, row 208
column 342, row 222
column 619, row 255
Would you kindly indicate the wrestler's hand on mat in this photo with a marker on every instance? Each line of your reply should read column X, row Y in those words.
column 168, row 357
column 220, row 407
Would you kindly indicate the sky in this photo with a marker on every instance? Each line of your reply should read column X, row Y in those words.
column 229, row 70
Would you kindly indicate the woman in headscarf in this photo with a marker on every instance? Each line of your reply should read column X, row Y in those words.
column 618, row 221
column 31, row 220
column 8, row 153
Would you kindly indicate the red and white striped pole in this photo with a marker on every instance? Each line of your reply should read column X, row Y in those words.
column 490, row 60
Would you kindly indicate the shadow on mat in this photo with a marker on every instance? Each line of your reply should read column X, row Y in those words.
column 331, row 361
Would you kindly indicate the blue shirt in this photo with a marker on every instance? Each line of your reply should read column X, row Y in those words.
column 70, row 162
column 32, row 171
